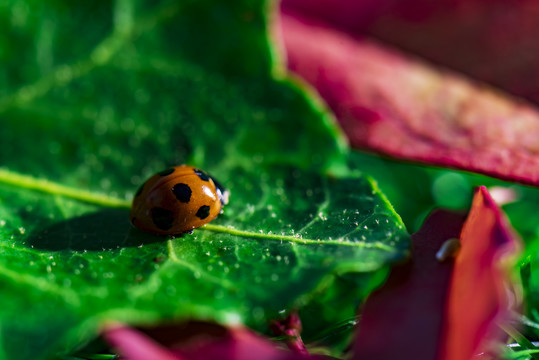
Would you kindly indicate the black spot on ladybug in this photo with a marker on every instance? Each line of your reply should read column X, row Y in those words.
column 203, row 212
column 139, row 191
column 202, row 175
column 166, row 172
column 182, row 191
column 162, row 218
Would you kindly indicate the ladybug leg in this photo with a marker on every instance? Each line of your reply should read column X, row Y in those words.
column 174, row 236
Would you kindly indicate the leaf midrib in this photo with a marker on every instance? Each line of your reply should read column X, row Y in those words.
column 28, row 182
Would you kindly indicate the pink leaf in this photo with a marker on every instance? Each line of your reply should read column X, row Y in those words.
column 398, row 105
column 134, row 345
column 443, row 310
column 196, row 341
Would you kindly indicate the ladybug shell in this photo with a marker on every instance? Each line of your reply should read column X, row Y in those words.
column 177, row 200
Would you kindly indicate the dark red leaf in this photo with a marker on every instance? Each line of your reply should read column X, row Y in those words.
column 404, row 319
column 443, row 310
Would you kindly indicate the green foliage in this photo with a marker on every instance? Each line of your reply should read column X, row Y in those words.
column 111, row 93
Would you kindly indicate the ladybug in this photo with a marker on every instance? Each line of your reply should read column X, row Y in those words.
column 177, row 200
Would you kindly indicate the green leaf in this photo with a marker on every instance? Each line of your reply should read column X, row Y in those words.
column 91, row 114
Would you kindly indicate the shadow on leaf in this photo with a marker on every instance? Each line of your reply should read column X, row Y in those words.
column 102, row 230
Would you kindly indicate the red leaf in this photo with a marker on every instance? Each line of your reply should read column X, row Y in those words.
column 398, row 105
column 492, row 41
column 445, row 311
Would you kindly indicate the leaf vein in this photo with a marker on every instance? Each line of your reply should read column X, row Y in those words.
column 321, row 209
column 195, row 269
column 70, row 296
column 103, row 52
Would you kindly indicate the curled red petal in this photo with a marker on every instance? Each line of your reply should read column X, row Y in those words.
column 479, row 300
